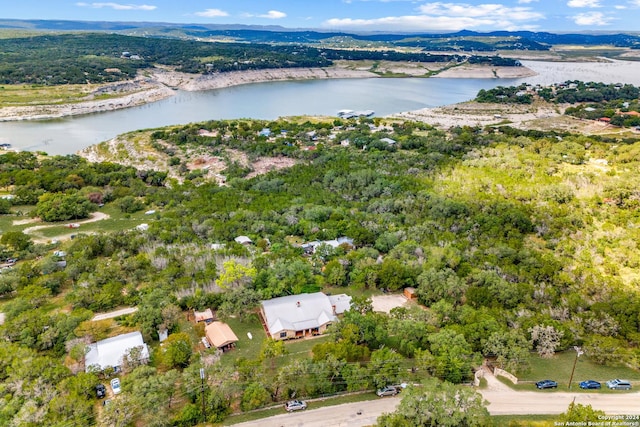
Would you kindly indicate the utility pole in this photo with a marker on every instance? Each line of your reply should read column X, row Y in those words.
column 204, row 411
column 575, row 361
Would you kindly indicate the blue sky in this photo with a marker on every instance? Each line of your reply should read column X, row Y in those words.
column 352, row 15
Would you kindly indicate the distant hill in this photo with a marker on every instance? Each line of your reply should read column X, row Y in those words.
column 461, row 41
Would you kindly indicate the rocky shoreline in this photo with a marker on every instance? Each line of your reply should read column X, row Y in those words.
column 162, row 83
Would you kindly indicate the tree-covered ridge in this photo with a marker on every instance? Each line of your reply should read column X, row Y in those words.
column 515, row 241
column 56, row 59
column 95, row 57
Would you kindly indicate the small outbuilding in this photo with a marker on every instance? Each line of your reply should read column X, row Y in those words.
column 203, row 316
column 410, row 293
column 220, row 336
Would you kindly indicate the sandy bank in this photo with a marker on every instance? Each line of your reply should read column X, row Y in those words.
column 160, row 84
column 195, row 82
column 469, row 71
column 146, row 92
column 477, row 114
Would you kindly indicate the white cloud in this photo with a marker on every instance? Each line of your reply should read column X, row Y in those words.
column 273, row 14
column 118, row 6
column 441, row 16
column 591, row 18
column 526, row 1
column 584, row 3
column 212, row 13
column 487, row 11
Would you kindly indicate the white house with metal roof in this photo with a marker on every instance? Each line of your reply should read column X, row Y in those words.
column 112, row 351
column 298, row 316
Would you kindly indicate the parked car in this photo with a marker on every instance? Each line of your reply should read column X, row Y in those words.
column 115, row 385
column 619, row 384
column 295, row 405
column 546, row 384
column 387, row 391
column 590, row 384
column 101, row 391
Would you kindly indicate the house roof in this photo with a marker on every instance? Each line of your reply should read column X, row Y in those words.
column 243, row 240
column 297, row 312
column 201, row 316
column 341, row 303
column 111, row 351
column 220, row 334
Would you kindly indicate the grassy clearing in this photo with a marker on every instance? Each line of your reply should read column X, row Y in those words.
column 20, row 95
column 245, row 347
column 559, row 369
column 561, row 364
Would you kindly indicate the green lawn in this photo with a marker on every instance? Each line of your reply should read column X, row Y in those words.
column 245, row 347
column 559, row 369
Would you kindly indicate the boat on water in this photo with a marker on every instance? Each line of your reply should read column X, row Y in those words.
column 350, row 114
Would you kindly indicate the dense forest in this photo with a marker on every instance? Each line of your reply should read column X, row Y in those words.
column 520, row 244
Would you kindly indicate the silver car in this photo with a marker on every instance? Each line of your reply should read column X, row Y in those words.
column 295, row 405
column 619, row 384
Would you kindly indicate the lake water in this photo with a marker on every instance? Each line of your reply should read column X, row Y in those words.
column 277, row 99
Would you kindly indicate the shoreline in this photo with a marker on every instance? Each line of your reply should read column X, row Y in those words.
column 162, row 83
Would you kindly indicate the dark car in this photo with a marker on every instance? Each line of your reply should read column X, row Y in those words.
column 590, row 384
column 546, row 384
column 101, row 391
column 387, row 391
column 295, row 405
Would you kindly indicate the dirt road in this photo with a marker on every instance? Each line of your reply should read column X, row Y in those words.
column 116, row 313
column 95, row 216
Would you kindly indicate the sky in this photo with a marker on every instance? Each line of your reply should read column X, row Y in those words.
column 352, row 15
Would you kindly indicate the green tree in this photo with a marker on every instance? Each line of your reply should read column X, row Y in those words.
column 177, row 350
column 254, row 396
column 63, row 207
column 577, row 412
column 436, row 403
column 511, row 350
column 384, row 367
column 435, row 285
column 234, row 275
column 16, row 240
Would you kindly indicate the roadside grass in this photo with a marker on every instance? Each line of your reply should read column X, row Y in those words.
column 524, row 420
column 559, row 369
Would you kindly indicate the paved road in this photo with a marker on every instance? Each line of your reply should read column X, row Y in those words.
column 502, row 401
column 345, row 415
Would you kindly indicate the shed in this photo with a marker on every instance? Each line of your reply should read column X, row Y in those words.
column 410, row 293
column 203, row 316
column 221, row 336
column 243, row 240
